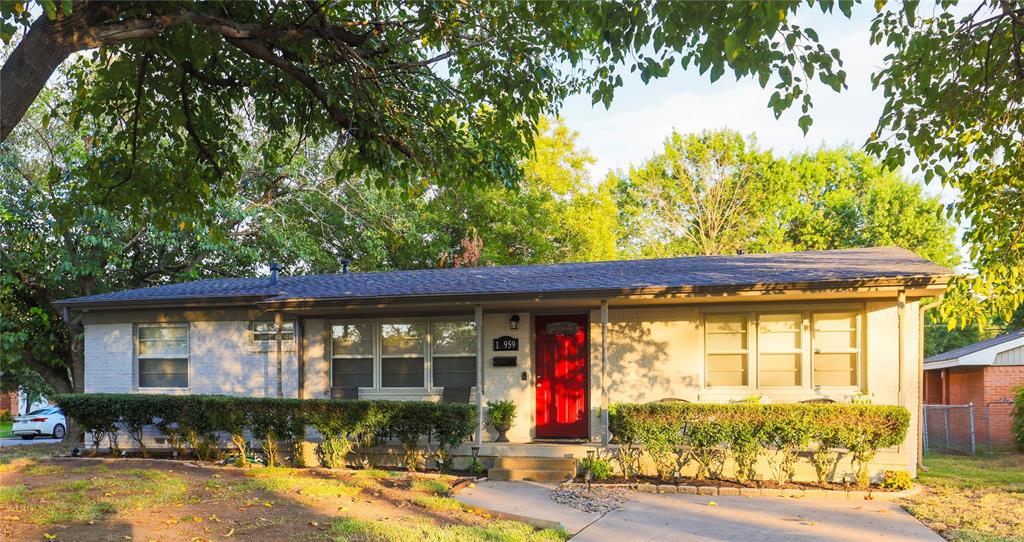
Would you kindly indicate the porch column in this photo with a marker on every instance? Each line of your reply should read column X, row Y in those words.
column 278, row 324
column 604, row 372
column 478, row 313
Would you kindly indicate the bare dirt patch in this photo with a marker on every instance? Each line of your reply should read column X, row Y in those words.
column 111, row 499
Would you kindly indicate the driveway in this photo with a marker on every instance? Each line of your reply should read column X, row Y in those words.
column 655, row 517
column 18, row 441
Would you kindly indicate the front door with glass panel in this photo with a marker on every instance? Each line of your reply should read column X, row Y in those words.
column 561, row 376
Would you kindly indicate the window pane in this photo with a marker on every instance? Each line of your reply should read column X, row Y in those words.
column 830, row 341
column 727, row 323
column 352, row 340
column 454, row 338
column 726, row 333
column 454, row 371
column 778, row 370
column 779, row 332
column 721, row 342
column 352, row 372
column 841, row 321
column 401, row 372
column 835, row 369
column 163, row 333
column 165, row 373
column 727, row 370
column 398, row 339
column 158, row 341
column 267, row 331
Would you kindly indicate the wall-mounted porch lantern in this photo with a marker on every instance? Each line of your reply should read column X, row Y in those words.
column 513, row 323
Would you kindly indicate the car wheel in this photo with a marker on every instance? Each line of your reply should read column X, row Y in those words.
column 27, row 437
column 58, row 431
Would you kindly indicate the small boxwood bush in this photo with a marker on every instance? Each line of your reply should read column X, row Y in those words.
column 896, row 479
column 195, row 421
column 675, row 434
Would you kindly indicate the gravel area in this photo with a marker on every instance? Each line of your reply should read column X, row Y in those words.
column 597, row 499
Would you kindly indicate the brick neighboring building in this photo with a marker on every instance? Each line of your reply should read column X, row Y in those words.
column 9, row 402
column 983, row 373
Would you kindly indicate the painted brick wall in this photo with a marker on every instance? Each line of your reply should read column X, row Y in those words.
column 1000, row 382
column 108, row 358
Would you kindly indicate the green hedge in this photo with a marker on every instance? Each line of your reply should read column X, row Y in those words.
column 195, row 421
column 1018, row 419
column 675, row 434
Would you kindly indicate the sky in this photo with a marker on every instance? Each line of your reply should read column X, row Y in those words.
column 641, row 116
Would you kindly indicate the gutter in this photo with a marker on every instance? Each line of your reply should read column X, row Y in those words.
column 268, row 301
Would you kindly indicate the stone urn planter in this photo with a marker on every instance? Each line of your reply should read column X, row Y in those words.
column 501, row 414
column 502, row 428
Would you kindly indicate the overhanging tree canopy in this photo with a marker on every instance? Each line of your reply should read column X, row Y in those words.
column 445, row 90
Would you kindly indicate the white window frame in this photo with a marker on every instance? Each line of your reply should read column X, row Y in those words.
column 137, row 372
column 374, row 346
column 751, row 347
column 859, row 350
column 428, row 349
column 806, row 340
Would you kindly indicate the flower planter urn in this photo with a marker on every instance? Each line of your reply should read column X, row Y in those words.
column 502, row 429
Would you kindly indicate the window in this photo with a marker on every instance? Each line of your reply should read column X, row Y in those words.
column 453, row 354
column 267, row 331
column 402, row 355
column 352, row 356
column 835, row 346
column 779, row 349
column 727, row 353
column 423, row 354
column 783, row 349
column 163, row 356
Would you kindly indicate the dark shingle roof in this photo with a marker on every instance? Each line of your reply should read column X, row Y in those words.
column 695, row 272
column 976, row 347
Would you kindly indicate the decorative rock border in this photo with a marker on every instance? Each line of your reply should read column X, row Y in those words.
column 812, row 493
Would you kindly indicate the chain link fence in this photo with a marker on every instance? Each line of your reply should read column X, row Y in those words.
column 949, row 428
column 998, row 423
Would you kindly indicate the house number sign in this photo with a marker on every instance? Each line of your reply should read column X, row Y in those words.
column 506, row 344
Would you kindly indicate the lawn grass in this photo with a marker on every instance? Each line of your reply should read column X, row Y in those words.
column 393, row 531
column 91, row 499
column 434, row 487
column 5, row 429
column 972, row 499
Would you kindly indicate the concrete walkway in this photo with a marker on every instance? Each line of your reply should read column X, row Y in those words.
column 652, row 517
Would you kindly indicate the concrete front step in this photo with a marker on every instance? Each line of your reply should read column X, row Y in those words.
column 564, row 464
column 533, row 475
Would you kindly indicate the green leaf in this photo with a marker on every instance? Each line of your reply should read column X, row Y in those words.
column 805, row 122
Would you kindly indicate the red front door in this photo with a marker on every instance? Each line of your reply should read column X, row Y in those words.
column 561, row 376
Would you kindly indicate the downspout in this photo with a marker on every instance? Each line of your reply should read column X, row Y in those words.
column 478, row 315
column 604, row 373
column 278, row 324
column 901, row 306
column 920, row 389
column 300, row 355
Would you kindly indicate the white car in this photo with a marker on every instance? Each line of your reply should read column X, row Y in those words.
column 44, row 421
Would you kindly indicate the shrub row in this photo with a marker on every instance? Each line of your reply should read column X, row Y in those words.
column 673, row 435
column 196, row 421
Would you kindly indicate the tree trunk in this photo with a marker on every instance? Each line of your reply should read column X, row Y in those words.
column 28, row 69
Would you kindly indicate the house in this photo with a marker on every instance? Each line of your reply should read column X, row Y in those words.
column 985, row 374
column 563, row 341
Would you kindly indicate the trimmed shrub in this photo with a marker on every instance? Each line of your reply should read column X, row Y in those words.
column 600, row 468
column 424, row 429
column 704, row 433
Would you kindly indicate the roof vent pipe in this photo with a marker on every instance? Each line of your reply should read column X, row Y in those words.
column 274, row 269
column 344, row 266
